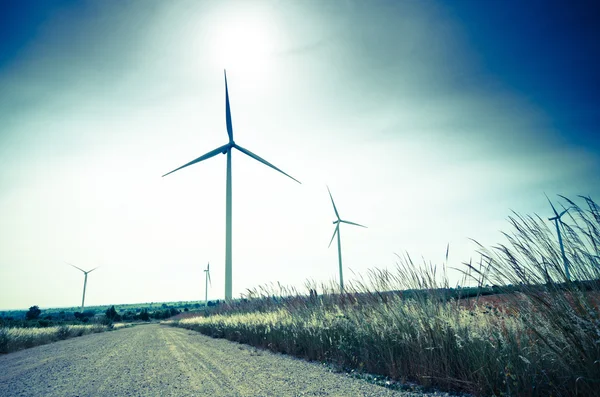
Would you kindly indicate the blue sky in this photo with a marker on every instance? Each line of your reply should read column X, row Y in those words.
column 429, row 121
column 545, row 50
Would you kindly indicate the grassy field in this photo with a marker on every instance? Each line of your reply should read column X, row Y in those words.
column 539, row 338
column 125, row 310
column 13, row 339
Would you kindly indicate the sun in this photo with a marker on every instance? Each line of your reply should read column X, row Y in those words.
column 243, row 39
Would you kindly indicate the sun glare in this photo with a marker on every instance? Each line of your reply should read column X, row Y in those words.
column 243, row 39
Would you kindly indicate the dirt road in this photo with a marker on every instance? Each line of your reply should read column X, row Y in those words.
column 156, row 360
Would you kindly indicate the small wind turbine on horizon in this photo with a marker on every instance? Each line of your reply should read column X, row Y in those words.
column 207, row 280
column 84, row 282
column 556, row 219
column 226, row 149
column 337, row 231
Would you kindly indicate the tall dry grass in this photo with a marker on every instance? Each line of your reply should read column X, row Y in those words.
column 540, row 339
column 13, row 339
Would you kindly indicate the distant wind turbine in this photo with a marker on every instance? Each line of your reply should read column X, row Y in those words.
column 207, row 280
column 337, row 231
column 84, row 282
column 556, row 219
column 226, row 149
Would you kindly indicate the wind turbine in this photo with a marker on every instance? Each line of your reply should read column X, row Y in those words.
column 337, row 231
column 207, row 280
column 556, row 219
column 226, row 149
column 84, row 282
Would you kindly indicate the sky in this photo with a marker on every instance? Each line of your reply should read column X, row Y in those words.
column 430, row 121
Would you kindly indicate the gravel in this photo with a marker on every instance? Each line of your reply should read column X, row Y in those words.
column 157, row 360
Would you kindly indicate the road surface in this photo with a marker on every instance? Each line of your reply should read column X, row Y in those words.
column 157, row 360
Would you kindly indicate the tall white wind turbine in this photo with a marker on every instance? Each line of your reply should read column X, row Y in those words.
column 226, row 149
column 556, row 219
column 84, row 283
column 207, row 280
column 337, row 231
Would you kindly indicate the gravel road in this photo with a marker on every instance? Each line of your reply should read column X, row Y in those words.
column 157, row 360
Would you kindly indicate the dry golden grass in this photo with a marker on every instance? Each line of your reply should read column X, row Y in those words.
column 542, row 338
column 13, row 339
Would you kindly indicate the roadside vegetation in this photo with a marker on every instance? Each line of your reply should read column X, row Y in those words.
column 13, row 339
column 36, row 327
column 536, row 333
column 127, row 312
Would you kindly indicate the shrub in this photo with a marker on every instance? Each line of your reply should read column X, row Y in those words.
column 144, row 316
column 128, row 315
column 112, row 314
column 4, row 340
column 33, row 313
column 88, row 314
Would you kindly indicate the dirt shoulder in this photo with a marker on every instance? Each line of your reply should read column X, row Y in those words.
column 156, row 360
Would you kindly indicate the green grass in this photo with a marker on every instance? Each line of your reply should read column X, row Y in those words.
column 66, row 313
column 13, row 339
column 541, row 339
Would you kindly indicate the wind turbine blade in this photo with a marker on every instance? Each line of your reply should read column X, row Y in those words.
column 265, row 162
column 562, row 213
column 209, row 282
column 222, row 149
column 208, row 267
column 553, row 209
column 335, row 209
column 352, row 223
column 228, row 111
column 89, row 271
column 334, row 232
column 76, row 267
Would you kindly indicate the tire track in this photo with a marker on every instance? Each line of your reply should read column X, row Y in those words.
column 203, row 376
column 155, row 360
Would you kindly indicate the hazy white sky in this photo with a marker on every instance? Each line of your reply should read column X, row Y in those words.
column 399, row 107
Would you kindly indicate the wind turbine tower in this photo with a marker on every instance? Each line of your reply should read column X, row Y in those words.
column 556, row 219
column 207, row 280
column 84, row 283
column 227, row 149
column 337, row 231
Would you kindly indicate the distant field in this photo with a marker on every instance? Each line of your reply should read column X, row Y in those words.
column 133, row 307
